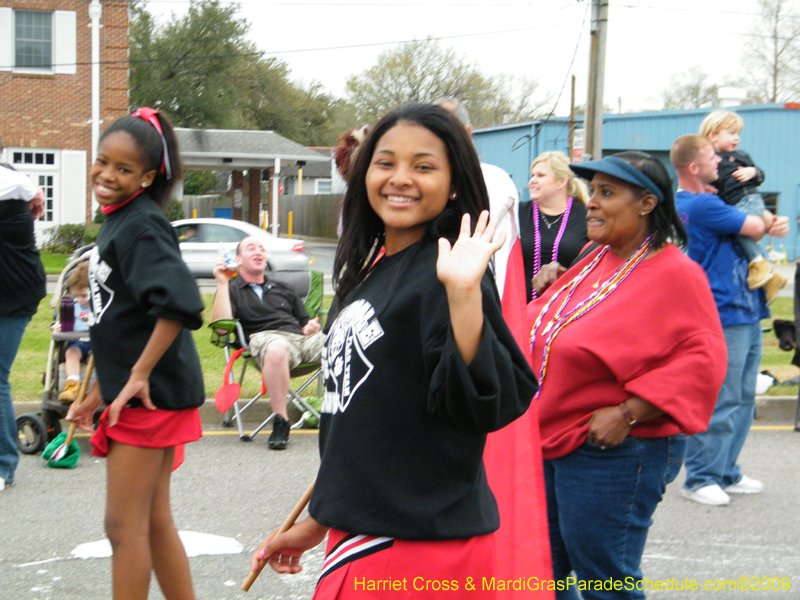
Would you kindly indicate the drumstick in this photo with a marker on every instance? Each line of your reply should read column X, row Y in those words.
column 301, row 504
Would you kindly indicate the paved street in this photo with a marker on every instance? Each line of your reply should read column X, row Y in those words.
column 229, row 495
column 240, row 491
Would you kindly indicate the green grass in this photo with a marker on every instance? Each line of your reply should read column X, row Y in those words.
column 53, row 263
column 773, row 359
column 28, row 371
column 27, row 374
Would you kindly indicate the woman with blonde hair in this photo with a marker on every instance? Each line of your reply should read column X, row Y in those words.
column 553, row 224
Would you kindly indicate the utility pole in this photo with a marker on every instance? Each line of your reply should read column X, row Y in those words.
column 597, row 70
column 95, row 13
column 572, row 120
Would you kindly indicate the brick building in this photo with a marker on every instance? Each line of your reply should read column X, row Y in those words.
column 46, row 92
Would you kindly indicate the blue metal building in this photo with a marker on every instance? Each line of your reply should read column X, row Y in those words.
column 771, row 136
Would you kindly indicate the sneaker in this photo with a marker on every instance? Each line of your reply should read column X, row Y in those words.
column 71, row 391
column 2, row 484
column 279, row 438
column 708, row 494
column 759, row 273
column 745, row 485
column 775, row 284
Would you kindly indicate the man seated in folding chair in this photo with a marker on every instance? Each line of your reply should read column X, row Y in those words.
column 276, row 325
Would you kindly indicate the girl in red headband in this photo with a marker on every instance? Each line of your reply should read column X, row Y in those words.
column 143, row 303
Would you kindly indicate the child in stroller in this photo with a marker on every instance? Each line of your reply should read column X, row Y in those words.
column 35, row 430
column 77, row 350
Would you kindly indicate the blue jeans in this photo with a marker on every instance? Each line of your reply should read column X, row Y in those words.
column 711, row 456
column 752, row 204
column 600, row 505
column 11, row 330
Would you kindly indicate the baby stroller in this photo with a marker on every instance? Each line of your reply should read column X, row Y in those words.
column 35, row 430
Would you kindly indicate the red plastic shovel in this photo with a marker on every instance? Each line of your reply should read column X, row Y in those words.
column 228, row 392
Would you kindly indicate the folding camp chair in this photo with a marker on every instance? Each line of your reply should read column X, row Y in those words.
column 229, row 334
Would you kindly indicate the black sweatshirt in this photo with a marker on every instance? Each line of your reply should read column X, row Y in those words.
column 404, row 419
column 136, row 277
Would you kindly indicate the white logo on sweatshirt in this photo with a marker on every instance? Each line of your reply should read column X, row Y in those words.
column 345, row 367
column 101, row 295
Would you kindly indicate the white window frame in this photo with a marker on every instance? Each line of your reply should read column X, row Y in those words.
column 64, row 49
column 24, row 160
column 42, row 69
column 324, row 180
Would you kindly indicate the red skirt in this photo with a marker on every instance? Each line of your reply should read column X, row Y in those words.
column 146, row 428
column 381, row 568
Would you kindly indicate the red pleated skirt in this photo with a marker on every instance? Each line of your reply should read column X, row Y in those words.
column 380, row 568
column 146, row 428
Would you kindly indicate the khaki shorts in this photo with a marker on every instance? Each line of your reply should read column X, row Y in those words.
column 302, row 348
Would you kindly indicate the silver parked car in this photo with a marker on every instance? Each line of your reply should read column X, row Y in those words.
column 201, row 240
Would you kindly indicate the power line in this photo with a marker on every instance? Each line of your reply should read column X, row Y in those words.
column 521, row 3
column 359, row 4
column 371, row 4
column 563, row 85
column 298, row 50
column 676, row 9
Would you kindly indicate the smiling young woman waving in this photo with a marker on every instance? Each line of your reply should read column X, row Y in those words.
column 419, row 366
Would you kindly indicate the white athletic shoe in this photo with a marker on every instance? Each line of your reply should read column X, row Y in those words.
column 708, row 494
column 745, row 485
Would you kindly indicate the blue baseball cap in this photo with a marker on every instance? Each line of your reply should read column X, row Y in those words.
column 620, row 169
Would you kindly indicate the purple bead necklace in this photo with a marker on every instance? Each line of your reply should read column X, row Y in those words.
column 537, row 239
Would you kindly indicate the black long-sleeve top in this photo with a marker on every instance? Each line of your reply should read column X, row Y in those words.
column 137, row 276
column 404, row 419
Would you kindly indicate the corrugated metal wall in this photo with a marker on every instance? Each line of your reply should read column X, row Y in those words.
column 771, row 136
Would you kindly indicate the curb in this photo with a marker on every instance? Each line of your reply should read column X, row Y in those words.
column 260, row 411
column 209, row 415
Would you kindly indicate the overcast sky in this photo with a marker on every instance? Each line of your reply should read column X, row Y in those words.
column 648, row 40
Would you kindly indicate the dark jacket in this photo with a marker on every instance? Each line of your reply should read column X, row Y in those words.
column 22, row 278
column 729, row 189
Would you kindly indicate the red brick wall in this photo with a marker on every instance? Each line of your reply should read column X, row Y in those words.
column 54, row 111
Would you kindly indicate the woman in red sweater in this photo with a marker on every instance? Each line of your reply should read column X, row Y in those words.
column 630, row 356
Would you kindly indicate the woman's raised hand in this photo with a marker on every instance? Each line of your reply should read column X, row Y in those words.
column 464, row 264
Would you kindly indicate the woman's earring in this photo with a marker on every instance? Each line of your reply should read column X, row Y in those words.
column 453, row 195
column 144, row 185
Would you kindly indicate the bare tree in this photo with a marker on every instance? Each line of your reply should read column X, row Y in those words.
column 422, row 71
column 690, row 89
column 773, row 55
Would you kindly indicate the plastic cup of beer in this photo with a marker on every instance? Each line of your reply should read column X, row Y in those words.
column 231, row 269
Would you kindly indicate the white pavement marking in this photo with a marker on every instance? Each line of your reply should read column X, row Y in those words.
column 195, row 543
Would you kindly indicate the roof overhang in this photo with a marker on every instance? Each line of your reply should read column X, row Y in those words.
column 222, row 149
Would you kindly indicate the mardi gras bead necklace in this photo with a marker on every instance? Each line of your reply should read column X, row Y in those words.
column 560, row 320
column 537, row 238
